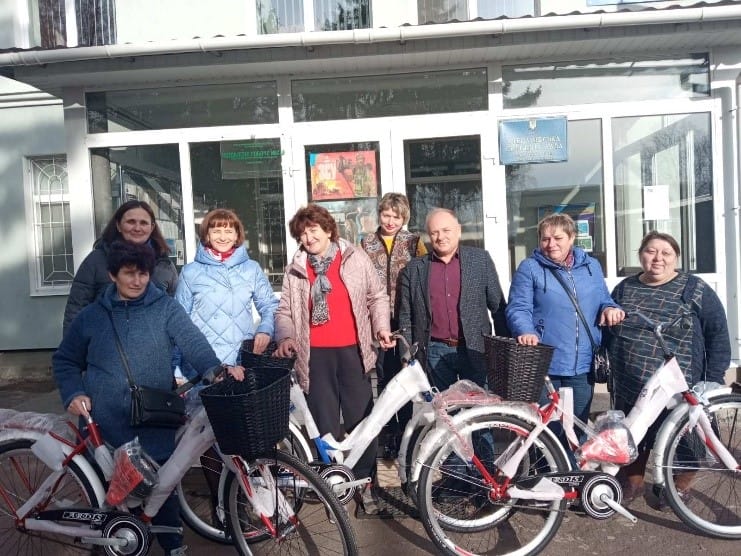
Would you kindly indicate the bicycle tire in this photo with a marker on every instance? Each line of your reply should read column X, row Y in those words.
column 702, row 491
column 454, row 505
column 22, row 474
column 324, row 526
column 197, row 508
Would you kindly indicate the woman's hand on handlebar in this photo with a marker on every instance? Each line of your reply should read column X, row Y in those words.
column 286, row 348
column 611, row 316
column 80, row 406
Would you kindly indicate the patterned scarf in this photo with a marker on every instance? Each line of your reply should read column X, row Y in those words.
column 321, row 286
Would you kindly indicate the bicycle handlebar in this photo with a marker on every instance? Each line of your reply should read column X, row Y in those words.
column 410, row 349
column 659, row 327
column 206, row 378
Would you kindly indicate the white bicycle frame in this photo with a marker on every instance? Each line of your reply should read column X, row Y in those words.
column 196, row 437
column 663, row 389
column 410, row 384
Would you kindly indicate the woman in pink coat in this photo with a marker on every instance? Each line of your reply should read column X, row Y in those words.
column 333, row 306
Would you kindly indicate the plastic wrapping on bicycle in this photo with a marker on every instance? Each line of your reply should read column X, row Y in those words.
column 250, row 360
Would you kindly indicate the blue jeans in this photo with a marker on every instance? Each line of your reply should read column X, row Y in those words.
column 449, row 364
column 583, row 388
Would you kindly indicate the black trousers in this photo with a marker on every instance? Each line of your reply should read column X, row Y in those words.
column 339, row 383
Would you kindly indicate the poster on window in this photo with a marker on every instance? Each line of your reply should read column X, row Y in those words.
column 583, row 216
column 343, row 175
column 355, row 218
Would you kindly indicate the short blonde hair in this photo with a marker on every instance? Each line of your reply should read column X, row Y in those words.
column 557, row 220
column 396, row 202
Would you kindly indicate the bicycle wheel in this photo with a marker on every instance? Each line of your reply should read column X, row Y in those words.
column 198, row 490
column 22, row 474
column 703, row 492
column 323, row 526
column 454, row 503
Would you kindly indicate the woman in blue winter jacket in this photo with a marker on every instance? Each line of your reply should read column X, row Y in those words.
column 540, row 309
column 218, row 290
column 90, row 371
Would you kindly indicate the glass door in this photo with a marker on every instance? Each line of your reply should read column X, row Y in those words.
column 454, row 169
column 345, row 170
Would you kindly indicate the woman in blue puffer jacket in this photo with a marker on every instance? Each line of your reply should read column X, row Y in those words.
column 540, row 310
column 220, row 287
column 218, row 290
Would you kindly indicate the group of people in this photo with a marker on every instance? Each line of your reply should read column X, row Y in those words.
column 338, row 307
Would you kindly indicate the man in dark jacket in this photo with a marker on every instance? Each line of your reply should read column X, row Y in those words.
column 446, row 298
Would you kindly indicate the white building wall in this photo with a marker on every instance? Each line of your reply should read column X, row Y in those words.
column 30, row 125
column 143, row 20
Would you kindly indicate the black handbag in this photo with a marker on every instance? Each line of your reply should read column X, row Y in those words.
column 600, row 361
column 151, row 407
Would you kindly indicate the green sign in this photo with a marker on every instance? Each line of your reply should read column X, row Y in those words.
column 250, row 159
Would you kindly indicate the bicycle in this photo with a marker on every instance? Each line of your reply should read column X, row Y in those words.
column 511, row 480
column 55, row 502
column 336, row 458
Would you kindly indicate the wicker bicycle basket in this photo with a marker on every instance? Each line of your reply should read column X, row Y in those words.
column 251, row 360
column 251, row 416
column 516, row 372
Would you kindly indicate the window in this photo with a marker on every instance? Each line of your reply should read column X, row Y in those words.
column 337, row 15
column 374, row 96
column 664, row 182
column 52, row 266
column 148, row 173
column 182, row 107
column 565, row 83
column 491, row 9
column 280, row 16
column 245, row 176
column 574, row 187
column 446, row 172
column 344, row 178
column 288, row 16
column 441, row 11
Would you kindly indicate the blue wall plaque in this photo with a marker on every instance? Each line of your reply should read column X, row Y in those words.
column 533, row 140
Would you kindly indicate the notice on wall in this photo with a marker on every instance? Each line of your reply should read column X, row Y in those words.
column 656, row 202
column 533, row 140
column 254, row 158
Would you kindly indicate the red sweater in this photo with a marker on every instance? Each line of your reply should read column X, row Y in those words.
column 340, row 330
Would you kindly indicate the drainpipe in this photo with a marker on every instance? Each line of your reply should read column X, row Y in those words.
column 378, row 35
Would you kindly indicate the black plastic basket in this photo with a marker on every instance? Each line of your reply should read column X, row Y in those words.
column 516, row 372
column 251, row 360
column 251, row 416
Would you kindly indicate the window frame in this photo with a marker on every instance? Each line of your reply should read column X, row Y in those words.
column 35, row 265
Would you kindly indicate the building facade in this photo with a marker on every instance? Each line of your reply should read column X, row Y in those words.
column 623, row 114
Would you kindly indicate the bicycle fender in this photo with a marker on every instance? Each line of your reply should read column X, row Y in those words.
column 440, row 434
column 662, row 437
column 83, row 464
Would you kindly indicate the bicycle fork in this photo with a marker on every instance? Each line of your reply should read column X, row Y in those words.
column 266, row 499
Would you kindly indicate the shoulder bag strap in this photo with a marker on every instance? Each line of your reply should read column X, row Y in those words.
column 576, row 305
column 121, row 352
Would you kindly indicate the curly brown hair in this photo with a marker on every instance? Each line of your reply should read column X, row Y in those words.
column 312, row 215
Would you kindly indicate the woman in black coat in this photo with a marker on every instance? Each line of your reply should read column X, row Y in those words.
column 134, row 222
